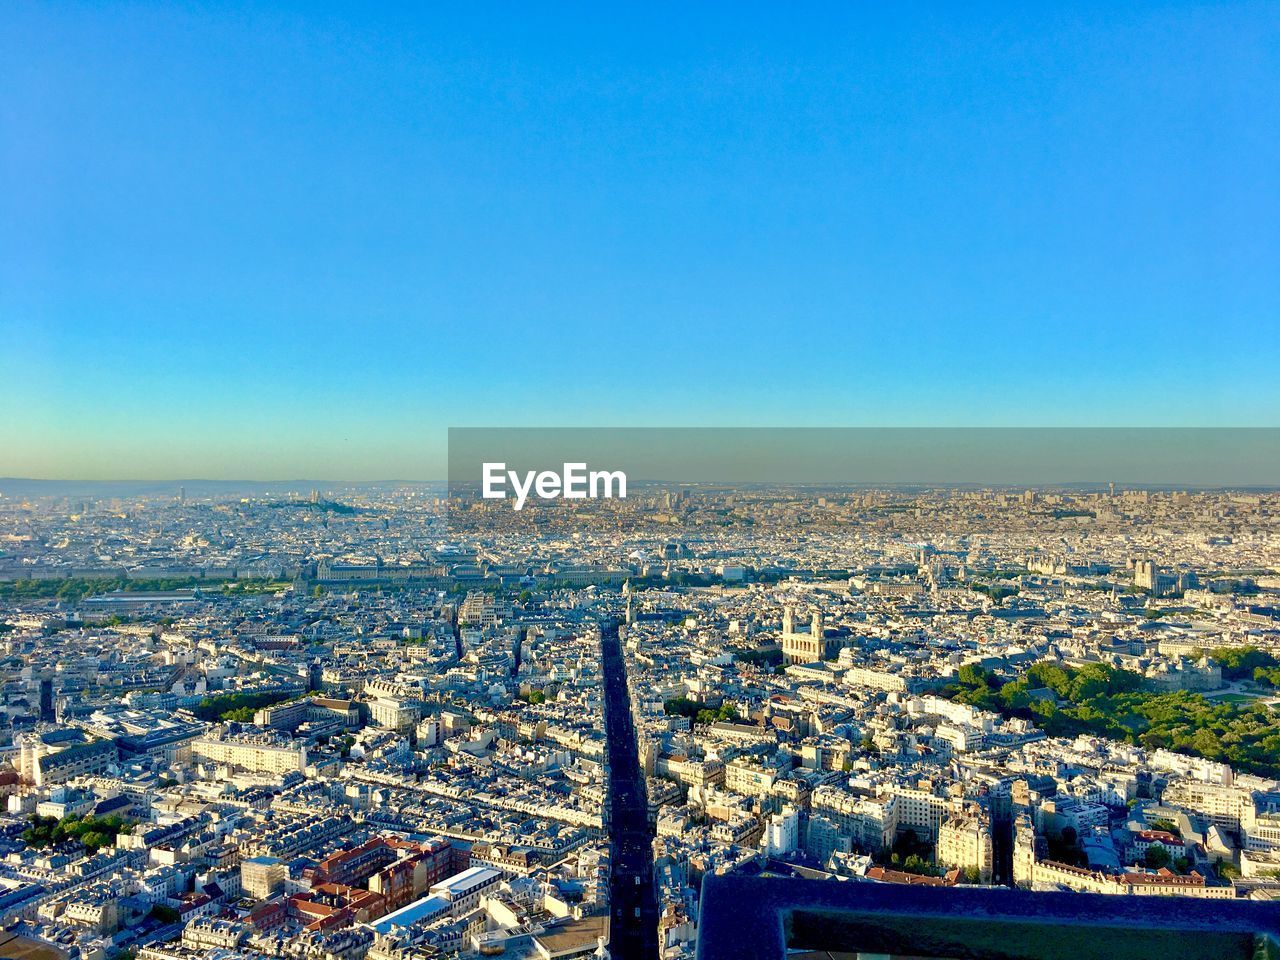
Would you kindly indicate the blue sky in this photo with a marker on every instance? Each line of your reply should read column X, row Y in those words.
column 272, row 241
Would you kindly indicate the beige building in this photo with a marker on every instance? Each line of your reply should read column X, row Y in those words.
column 262, row 877
column 803, row 647
column 870, row 824
column 876, row 679
column 1029, row 870
column 393, row 704
column 56, row 756
column 921, row 811
column 98, row 914
column 965, row 842
column 257, row 753
column 1221, row 804
column 742, row 776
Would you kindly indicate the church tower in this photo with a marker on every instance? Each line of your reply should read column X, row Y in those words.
column 817, row 636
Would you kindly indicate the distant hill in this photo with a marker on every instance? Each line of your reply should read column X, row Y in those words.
column 25, row 487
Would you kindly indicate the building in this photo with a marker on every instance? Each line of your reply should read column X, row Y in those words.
column 782, row 833
column 448, row 898
column 965, row 842
column 56, row 756
column 421, row 866
column 870, row 824
column 393, row 704
column 47, row 714
column 262, row 877
column 823, row 837
column 96, row 911
column 877, row 679
column 352, row 867
column 752, row 779
column 920, row 811
column 1222, row 804
column 803, row 646
column 463, row 890
column 254, row 752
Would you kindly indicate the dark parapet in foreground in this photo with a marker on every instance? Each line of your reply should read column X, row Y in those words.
column 762, row 918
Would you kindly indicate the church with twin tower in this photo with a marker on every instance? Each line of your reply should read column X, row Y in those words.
column 803, row 646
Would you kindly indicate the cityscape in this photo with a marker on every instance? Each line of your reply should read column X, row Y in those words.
column 725, row 481
column 348, row 723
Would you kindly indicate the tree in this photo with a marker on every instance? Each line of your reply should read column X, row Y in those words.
column 1099, row 700
column 682, row 706
column 1239, row 663
column 918, row 864
column 164, row 913
column 1157, row 856
column 92, row 832
column 93, row 840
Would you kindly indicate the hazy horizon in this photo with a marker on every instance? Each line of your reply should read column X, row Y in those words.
column 1188, row 458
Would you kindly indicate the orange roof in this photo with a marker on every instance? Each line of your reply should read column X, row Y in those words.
column 912, row 879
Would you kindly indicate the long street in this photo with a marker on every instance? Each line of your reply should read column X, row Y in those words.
column 632, row 901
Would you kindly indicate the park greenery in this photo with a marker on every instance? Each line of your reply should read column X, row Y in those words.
column 996, row 591
column 1247, row 663
column 93, row 833
column 75, row 589
column 315, row 506
column 699, row 712
column 1105, row 701
column 238, row 707
column 254, row 586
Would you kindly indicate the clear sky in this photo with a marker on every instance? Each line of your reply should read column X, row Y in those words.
column 270, row 241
